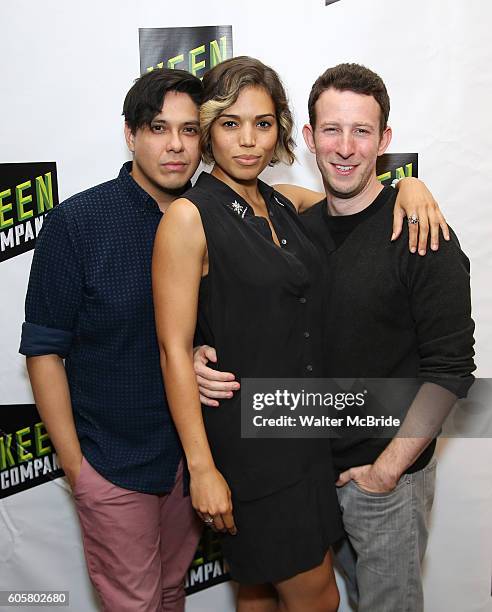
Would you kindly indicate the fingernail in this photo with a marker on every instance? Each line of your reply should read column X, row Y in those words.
column 393, row 236
column 412, row 250
column 434, row 247
column 421, row 252
column 236, row 386
column 447, row 236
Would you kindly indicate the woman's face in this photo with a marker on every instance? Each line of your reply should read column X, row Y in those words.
column 244, row 135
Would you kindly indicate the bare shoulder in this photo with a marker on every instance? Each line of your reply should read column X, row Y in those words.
column 181, row 223
column 183, row 211
column 183, row 217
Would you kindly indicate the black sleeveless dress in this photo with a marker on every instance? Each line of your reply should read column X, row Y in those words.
column 260, row 306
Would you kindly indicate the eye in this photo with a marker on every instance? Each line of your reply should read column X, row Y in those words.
column 264, row 124
column 191, row 130
column 229, row 123
column 157, row 128
column 329, row 130
column 361, row 131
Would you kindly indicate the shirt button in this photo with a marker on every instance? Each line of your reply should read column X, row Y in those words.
column 306, row 334
column 283, row 241
column 302, row 300
column 309, row 368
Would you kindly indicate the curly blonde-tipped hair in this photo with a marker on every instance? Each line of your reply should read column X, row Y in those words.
column 222, row 86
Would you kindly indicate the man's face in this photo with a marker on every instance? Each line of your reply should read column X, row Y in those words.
column 347, row 141
column 166, row 154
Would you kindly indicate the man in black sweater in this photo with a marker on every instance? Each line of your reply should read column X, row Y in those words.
column 390, row 315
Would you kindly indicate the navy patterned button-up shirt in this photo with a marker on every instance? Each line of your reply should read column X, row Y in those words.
column 90, row 301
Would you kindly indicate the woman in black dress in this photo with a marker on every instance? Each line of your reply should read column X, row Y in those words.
column 233, row 257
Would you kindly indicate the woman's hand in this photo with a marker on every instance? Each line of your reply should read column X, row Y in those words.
column 415, row 201
column 211, row 498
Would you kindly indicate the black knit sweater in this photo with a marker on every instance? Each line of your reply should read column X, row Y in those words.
column 391, row 313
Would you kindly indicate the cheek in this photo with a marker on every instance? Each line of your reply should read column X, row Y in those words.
column 192, row 147
column 267, row 141
column 222, row 146
column 148, row 152
column 324, row 147
column 369, row 150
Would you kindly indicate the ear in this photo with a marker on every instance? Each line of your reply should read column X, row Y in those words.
column 130, row 138
column 308, row 133
column 385, row 140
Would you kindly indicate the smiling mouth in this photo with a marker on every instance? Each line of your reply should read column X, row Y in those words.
column 344, row 170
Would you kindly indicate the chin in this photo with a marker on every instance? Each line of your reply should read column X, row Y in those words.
column 341, row 190
column 344, row 194
column 248, row 174
column 174, row 186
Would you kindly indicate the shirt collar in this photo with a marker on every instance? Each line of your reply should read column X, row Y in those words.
column 232, row 200
column 137, row 195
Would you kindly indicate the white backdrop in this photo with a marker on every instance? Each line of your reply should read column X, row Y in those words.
column 65, row 69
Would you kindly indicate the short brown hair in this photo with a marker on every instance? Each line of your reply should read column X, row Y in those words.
column 222, row 85
column 351, row 77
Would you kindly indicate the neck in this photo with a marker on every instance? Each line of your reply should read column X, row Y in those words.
column 163, row 198
column 338, row 206
column 248, row 190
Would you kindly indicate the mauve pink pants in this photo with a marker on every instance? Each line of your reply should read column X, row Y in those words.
column 137, row 546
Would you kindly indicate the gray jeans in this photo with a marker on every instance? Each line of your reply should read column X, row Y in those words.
column 386, row 541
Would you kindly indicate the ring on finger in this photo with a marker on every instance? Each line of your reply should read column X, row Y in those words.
column 208, row 520
column 413, row 219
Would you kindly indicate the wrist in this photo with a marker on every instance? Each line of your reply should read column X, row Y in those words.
column 201, row 466
column 386, row 475
column 405, row 180
column 71, row 462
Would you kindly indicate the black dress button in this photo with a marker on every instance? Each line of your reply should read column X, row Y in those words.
column 309, row 368
column 283, row 241
column 306, row 334
column 302, row 300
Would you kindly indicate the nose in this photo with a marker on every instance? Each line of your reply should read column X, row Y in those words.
column 247, row 135
column 345, row 145
column 175, row 142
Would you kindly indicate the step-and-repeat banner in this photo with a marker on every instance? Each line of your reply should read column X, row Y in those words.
column 436, row 78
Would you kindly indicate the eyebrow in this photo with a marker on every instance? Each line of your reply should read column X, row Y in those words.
column 357, row 123
column 238, row 117
column 189, row 122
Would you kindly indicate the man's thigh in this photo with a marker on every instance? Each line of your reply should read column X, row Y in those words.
column 180, row 532
column 121, row 531
column 389, row 534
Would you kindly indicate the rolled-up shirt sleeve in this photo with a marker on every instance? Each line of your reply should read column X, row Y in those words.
column 55, row 290
column 441, row 305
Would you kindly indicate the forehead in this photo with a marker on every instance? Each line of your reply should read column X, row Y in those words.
column 178, row 107
column 337, row 106
column 253, row 100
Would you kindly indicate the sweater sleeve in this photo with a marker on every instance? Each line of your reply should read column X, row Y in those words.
column 439, row 289
column 54, row 292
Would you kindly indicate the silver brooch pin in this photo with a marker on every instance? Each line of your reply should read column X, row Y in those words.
column 238, row 208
